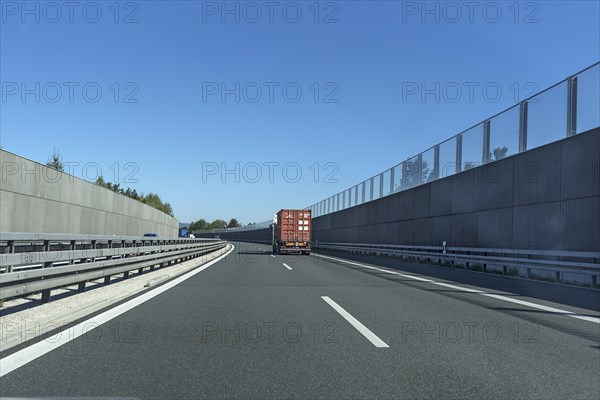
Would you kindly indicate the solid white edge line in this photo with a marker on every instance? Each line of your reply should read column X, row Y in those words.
column 480, row 292
column 366, row 332
column 28, row 354
column 544, row 308
column 458, row 287
column 417, row 278
column 287, row 266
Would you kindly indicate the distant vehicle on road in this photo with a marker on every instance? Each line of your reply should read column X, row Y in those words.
column 151, row 234
column 192, row 236
column 292, row 231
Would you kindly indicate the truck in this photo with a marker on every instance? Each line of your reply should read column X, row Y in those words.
column 292, row 230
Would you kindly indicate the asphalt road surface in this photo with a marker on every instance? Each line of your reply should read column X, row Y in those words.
column 259, row 326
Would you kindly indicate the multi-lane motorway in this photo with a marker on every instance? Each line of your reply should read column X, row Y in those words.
column 254, row 325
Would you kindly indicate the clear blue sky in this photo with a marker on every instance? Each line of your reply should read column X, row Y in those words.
column 363, row 58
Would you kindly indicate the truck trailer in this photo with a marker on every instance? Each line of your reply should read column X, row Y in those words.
column 292, row 230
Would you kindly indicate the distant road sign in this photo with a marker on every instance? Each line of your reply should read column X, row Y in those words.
column 183, row 233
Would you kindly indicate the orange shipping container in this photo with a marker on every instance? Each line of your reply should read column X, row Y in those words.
column 293, row 230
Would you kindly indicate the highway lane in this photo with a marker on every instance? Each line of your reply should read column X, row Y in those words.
column 250, row 327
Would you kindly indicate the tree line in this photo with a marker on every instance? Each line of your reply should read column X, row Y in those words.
column 203, row 225
column 152, row 199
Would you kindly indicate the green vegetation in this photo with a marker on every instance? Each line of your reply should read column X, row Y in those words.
column 55, row 161
column 203, row 225
column 476, row 267
column 200, row 225
column 152, row 199
column 542, row 277
column 469, row 165
column 499, row 153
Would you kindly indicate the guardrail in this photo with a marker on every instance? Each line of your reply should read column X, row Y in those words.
column 553, row 263
column 32, row 263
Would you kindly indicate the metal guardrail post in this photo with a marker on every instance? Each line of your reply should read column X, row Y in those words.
column 72, row 247
column 46, row 296
column 11, row 250
column 484, row 265
column 47, row 263
column 93, row 247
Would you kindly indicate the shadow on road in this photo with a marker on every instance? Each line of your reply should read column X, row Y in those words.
column 585, row 298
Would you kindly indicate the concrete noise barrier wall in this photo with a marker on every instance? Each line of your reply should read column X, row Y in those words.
column 257, row 235
column 35, row 198
column 545, row 198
